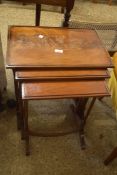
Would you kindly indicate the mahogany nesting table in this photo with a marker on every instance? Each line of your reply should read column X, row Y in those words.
column 52, row 59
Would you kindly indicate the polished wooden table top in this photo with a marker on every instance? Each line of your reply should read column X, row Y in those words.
column 66, row 89
column 61, row 74
column 55, row 47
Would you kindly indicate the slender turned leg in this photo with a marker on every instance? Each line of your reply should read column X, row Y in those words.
column 17, row 105
column 69, row 7
column 22, row 120
column 17, row 102
column 110, row 2
column 62, row 10
column 111, row 157
column 66, row 18
column 26, row 129
column 89, row 109
column 20, row 102
column 37, row 14
column 80, row 112
column 1, row 105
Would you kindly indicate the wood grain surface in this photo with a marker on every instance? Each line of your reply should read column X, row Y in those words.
column 55, row 47
column 66, row 89
column 57, row 74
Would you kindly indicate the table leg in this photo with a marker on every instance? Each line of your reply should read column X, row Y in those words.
column 20, row 107
column 38, row 14
column 17, row 102
column 80, row 113
column 79, row 109
column 89, row 109
column 1, row 105
column 111, row 157
column 26, row 129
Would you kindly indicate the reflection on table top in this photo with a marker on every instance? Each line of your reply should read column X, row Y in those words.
column 55, row 47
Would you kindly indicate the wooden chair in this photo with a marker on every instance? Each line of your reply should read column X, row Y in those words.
column 67, row 4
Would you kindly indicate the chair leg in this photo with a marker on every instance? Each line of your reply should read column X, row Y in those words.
column 111, row 157
column 62, row 10
column 38, row 14
column 26, row 129
column 110, row 2
column 67, row 17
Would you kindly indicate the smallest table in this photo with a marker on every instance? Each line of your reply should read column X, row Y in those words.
column 60, row 90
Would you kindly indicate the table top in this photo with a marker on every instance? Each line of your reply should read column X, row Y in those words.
column 45, row 47
column 61, row 74
column 66, row 89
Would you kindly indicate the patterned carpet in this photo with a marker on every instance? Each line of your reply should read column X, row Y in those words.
column 56, row 155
